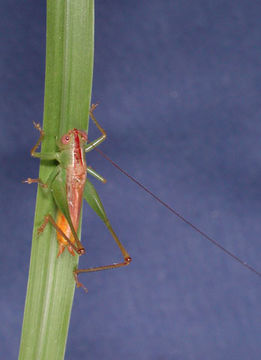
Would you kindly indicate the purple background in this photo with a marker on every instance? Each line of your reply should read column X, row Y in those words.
column 179, row 89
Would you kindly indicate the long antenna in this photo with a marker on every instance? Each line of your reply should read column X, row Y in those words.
column 210, row 239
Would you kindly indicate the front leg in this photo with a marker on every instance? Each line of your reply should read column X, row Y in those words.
column 98, row 141
column 33, row 151
column 40, row 155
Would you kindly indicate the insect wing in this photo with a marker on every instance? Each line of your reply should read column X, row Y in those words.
column 93, row 199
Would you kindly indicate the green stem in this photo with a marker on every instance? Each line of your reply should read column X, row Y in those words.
column 68, row 82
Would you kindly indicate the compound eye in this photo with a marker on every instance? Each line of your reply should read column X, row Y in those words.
column 65, row 139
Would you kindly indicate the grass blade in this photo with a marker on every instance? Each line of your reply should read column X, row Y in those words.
column 68, row 82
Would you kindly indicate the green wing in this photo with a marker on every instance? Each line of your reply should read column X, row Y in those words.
column 93, row 199
column 58, row 189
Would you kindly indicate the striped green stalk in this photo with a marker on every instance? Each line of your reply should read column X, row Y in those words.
column 68, row 83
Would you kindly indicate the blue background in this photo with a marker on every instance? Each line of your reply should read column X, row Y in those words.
column 178, row 84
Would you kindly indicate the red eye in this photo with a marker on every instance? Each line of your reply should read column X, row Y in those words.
column 65, row 139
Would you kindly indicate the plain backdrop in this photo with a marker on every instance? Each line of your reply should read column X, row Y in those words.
column 178, row 84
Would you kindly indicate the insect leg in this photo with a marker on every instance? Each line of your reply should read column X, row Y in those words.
column 38, row 127
column 98, row 141
column 58, row 190
column 38, row 180
column 43, row 156
column 91, row 196
column 46, row 184
column 95, row 174
column 48, row 218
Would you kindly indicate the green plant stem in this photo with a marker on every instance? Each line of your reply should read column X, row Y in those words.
column 68, row 82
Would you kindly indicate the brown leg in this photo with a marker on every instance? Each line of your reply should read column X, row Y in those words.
column 39, row 181
column 98, row 268
column 93, row 107
column 126, row 257
column 49, row 218
column 38, row 127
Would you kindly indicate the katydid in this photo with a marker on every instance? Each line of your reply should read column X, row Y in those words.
column 69, row 185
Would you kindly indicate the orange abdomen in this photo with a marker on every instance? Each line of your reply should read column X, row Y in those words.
column 64, row 226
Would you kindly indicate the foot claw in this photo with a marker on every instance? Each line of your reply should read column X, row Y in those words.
column 27, row 181
column 82, row 286
column 78, row 283
column 38, row 127
column 93, row 107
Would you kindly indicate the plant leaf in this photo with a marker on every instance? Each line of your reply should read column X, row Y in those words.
column 68, row 82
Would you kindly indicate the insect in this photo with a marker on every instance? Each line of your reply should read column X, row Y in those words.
column 69, row 185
